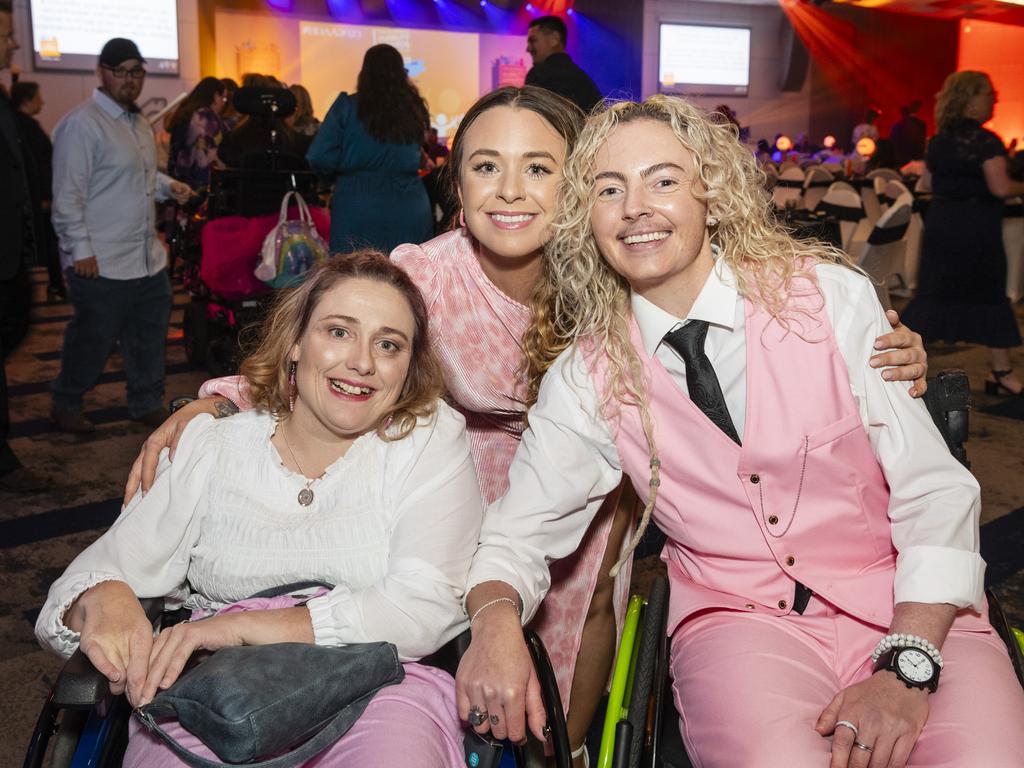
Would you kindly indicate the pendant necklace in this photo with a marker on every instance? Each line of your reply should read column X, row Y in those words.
column 305, row 496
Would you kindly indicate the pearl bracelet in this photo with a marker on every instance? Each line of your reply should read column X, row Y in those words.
column 902, row 640
column 485, row 606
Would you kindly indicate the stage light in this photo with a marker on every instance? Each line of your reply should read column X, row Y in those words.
column 529, row 7
column 571, row 12
column 783, row 143
column 828, row 142
column 865, row 147
column 483, row 3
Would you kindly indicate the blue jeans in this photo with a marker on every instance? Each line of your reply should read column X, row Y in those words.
column 133, row 312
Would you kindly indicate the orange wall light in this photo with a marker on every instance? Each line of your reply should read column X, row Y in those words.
column 989, row 47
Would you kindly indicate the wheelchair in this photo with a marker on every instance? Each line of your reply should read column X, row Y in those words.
column 82, row 724
column 641, row 723
column 212, row 321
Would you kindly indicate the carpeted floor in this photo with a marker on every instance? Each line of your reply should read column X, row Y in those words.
column 40, row 534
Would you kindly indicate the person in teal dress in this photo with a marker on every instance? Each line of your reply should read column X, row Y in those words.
column 370, row 143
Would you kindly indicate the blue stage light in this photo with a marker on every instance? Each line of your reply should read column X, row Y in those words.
column 483, row 3
column 571, row 12
column 529, row 7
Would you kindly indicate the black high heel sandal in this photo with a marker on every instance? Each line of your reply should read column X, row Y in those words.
column 998, row 388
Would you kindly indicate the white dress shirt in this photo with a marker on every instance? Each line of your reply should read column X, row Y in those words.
column 392, row 524
column 567, row 461
column 105, row 188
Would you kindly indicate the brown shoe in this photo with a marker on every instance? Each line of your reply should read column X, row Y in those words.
column 153, row 418
column 72, row 421
column 23, row 480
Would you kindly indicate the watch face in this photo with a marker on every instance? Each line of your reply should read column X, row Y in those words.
column 915, row 665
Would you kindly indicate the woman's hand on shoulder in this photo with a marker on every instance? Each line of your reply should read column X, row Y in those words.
column 496, row 676
column 167, row 435
column 116, row 636
column 903, row 358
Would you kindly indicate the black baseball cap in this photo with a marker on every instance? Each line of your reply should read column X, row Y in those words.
column 118, row 50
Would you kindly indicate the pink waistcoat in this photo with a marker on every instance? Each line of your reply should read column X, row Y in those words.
column 803, row 499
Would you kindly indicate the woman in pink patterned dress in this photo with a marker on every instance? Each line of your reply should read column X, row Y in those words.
column 477, row 281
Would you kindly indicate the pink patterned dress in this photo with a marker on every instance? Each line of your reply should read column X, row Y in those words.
column 477, row 333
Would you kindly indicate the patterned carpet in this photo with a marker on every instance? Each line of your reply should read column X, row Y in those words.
column 40, row 534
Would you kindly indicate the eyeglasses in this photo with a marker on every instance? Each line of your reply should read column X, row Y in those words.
column 120, row 73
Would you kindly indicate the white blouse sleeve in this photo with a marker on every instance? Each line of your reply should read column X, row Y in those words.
column 147, row 547
column 934, row 502
column 564, row 467
column 417, row 605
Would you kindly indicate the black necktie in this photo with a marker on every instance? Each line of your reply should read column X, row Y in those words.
column 705, row 391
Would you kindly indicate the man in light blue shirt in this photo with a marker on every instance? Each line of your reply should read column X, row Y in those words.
column 105, row 187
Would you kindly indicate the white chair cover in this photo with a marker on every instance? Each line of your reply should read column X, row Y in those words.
column 884, row 173
column 816, row 181
column 789, row 186
column 882, row 254
column 842, row 200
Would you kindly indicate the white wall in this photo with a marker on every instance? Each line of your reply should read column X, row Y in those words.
column 766, row 109
column 63, row 90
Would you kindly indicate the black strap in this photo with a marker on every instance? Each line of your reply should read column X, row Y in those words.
column 841, row 212
column 885, row 235
column 792, row 183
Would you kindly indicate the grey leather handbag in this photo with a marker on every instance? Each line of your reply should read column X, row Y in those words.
column 251, row 702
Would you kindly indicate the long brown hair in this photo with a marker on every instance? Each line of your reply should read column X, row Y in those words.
column 266, row 367
column 201, row 97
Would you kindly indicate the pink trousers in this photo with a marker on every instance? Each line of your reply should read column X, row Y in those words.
column 413, row 723
column 749, row 689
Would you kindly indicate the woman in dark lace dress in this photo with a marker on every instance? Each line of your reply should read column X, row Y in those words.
column 962, row 290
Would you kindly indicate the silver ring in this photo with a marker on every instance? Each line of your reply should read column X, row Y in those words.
column 865, row 747
column 849, row 725
column 477, row 716
column 495, row 720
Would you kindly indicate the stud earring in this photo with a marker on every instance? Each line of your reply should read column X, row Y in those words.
column 291, row 385
column 711, row 221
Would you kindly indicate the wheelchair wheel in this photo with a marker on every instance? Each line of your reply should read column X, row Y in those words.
column 65, row 741
column 645, row 670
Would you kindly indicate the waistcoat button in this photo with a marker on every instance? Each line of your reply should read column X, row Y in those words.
column 790, row 560
column 755, row 479
column 773, row 520
column 783, row 604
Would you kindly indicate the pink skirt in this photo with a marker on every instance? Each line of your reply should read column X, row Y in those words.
column 412, row 723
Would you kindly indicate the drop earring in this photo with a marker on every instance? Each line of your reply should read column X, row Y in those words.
column 291, row 385
column 711, row 221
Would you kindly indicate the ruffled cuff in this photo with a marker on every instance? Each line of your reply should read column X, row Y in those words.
column 234, row 388
column 928, row 574
column 329, row 614
column 52, row 630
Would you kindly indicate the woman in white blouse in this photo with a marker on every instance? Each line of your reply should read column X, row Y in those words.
column 350, row 472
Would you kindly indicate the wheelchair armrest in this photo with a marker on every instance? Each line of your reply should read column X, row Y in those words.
column 79, row 685
column 948, row 400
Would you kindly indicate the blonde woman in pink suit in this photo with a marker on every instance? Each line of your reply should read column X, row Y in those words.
column 478, row 281
column 826, row 591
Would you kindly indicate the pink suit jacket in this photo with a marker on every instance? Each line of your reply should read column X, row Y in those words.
column 803, row 499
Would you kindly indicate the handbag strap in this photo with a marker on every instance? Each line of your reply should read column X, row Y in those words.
column 334, row 730
column 284, row 206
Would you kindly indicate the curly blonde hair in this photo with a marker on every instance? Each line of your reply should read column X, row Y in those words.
column 957, row 91
column 266, row 368
column 579, row 298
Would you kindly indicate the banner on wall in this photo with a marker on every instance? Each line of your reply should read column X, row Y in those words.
column 450, row 69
